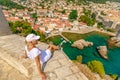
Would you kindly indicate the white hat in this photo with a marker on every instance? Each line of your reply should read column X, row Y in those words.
column 32, row 37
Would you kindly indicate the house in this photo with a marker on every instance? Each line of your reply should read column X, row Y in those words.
column 26, row 17
column 6, row 13
column 13, row 19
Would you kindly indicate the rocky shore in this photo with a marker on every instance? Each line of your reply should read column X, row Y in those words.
column 80, row 44
column 103, row 51
column 89, row 74
column 114, row 41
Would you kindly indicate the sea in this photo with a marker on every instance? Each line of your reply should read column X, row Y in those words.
column 111, row 66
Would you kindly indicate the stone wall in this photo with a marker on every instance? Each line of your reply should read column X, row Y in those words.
column 110, row 24
column 59, row 67
column 106, row 23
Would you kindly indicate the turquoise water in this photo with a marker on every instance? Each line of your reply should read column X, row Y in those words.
column 112, row 66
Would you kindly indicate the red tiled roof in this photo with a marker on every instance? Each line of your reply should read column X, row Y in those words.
column 36, row 27
column 13, row 19
column 82, row 23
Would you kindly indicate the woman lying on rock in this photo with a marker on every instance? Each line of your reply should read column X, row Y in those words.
column 33, row 52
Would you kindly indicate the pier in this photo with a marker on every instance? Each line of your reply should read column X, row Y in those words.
column 59, row 34
column 64, row 37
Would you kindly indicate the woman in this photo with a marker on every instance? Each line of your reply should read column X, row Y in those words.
column 33, row 52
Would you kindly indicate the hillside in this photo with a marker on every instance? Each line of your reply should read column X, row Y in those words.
column 95, row 1
column 103, row 1
column 10, row 4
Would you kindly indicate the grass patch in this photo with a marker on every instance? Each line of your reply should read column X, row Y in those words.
column 77, row 36
column 55, row 39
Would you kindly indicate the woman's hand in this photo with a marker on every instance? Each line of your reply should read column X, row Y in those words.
column 43, row 76
column 24, row 56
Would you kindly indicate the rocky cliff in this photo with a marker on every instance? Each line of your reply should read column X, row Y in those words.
column 114, row 41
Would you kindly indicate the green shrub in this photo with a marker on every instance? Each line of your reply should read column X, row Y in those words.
column 87, row 12
column 86, row 19
column 79, row 59
column 96, row 66
column 110, row 30
column 10, row 4
column 75, row 61
column 63, row 11
column 102, row 13
column 114, row 76
column 42, row 36
column 73, row 15
column 55, row 39
column 21, row 27
column 100, row 25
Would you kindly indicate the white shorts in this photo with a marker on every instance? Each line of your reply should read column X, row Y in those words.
column 45, row 56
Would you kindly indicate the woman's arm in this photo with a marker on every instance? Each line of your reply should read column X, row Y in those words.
column 41, row 73
column 53, row 47
column 24, row 55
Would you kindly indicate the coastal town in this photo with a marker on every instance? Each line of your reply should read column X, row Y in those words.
column 54, row 16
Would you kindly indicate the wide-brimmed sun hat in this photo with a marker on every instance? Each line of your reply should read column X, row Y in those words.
column 31, row 37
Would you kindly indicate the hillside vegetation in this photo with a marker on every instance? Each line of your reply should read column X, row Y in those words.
column 95, row 1
column 10, row 4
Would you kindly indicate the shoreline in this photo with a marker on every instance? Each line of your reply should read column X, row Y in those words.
column 88, row 30
column 82, row 31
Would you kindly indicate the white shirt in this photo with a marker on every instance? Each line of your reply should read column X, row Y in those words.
column 44, row 55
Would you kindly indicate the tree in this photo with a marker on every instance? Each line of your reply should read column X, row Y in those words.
column 42, row 36
column 21, row 27
column 102, row 13
column 79, row 59
column 70, row 1
column 48, row 7
column 34, row 15
column 110, row 30
column 63, row 11
column 93, row 16
column 43, row 6
column 82, row 2
column 73, row 15
column 87, row 20
column 87, row 12
column 100, row 1
column 10, row 4
column 83, row 18
column 96, row 66
column 114, row 76
column 88, row 17
column 100, row 25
